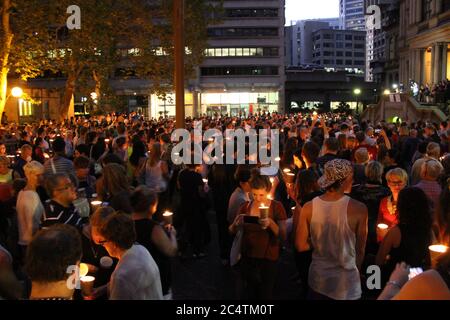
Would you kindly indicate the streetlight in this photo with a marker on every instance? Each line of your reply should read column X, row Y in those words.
column 17, row 92
column 387, row 92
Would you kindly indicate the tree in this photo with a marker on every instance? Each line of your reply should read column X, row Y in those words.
column 131, row 37
column 22, row 43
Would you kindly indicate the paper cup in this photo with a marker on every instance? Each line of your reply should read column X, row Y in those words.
column 436, row 251
column 167, row 217
column 87, row 285
column 383, row 229
column 82, row 205
column 290, row 177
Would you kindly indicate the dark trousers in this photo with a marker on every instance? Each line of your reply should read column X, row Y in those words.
column 303, row 261
column 259, row 277
column 224, row 235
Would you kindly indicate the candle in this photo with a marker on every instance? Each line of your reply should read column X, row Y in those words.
column 46, row 156
column 436, row 251
column 384, row 228
column 106, row 140
column 167, row 217
column 290, row 177
column 278, row 159
column 286, row 170
column 87, row 285
column 95, row 205
column 84, row 269
column 263, row 212
column 205, row 181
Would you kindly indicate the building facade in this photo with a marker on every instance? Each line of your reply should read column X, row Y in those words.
column 243, row 71
column 424, row 39
column 340, row 50
column 351, row 15
column 300, row 37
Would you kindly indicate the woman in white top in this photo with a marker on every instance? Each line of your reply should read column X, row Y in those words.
column 155, row 171
column 29, row 207
column 136, row 276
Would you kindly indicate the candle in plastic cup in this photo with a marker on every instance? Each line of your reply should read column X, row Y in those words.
column 95, row 205
column 293, row 209
column 205, row 181
column 277, row 159
column 290, row 177
column 436, row 251
column 286, row 170
column 384, row 228
column 263, row 212
column 106, row 140
column 167, row 216
column 87, row 285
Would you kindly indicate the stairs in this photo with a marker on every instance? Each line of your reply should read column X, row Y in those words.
column 404, row 107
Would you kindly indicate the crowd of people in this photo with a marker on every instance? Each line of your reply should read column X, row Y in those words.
column 435, row 93
column 104, row 192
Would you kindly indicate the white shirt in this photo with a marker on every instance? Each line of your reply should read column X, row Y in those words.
column 29, row 212
column 136, row 277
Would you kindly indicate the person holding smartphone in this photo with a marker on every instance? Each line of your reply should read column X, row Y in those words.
column 261, row 239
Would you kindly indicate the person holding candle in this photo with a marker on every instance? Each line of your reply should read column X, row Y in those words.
column 136, row 276
column 397, row 180
column 261, row 241
column 114, row 188
column 160, row 241
column 50, row 253
column 409, row 240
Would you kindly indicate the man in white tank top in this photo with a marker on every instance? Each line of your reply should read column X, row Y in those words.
column 334, row 226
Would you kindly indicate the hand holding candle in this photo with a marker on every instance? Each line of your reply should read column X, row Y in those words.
column 168, row 218
column 263, row 215
column 382, row 229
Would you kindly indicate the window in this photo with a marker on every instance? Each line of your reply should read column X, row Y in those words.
column 359, row 63
column 348, row 62
column 348, row 37
column 240, row 71
column 242, row 32
column 328, row 45
column 339, row 37
column 348, row 45
column 339, row 45
column 359, row 46
column 328, row 53
column 251, row 13
column 232, row 52
column 426, row 9
column 25, row 108
column 339, row 62
column 339, row 53
column 328, row 36
column 348, row 54
column 359, row 54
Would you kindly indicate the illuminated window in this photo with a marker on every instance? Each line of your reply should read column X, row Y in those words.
column 25, row 108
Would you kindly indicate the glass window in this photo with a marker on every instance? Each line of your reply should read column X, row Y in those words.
column 218, row 52
column 232, row 52
column 246, row 52
column 225, row 52
column 239, row 52
column 253, row 51
column 259, row 52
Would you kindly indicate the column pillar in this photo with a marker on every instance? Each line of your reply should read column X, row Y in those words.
column 433, row 63
column 419, row 11
column 418, row 65
column 444, row 61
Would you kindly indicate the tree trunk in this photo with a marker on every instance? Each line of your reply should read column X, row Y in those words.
column 68, row 94
column 6, row 49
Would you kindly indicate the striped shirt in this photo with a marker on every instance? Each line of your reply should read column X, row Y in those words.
column 58, row 165
column 55, row 213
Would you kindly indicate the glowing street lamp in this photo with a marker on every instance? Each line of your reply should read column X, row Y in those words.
column 387, row 92
column 17, row 92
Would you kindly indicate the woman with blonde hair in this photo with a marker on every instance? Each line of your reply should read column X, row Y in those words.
column 29, row 207
column 397, row 180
